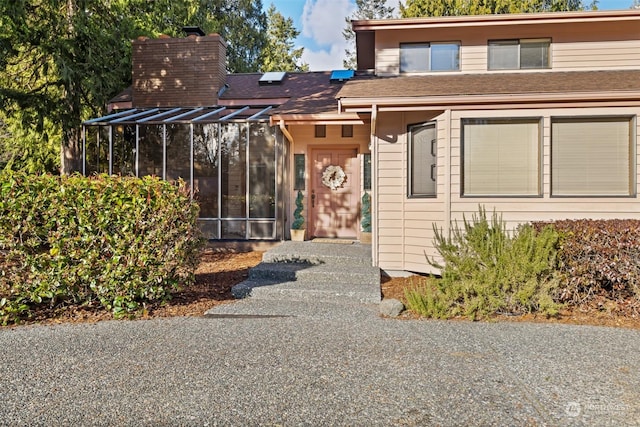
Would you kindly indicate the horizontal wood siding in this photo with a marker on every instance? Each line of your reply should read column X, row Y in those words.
column 405, row 224
column 576, row 46
column 545, row 208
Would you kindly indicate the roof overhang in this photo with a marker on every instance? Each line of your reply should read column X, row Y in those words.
column 496, row 20
column 494, row 101
column 334, row 118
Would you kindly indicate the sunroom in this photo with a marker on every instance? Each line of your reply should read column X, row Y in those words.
column 228, row 156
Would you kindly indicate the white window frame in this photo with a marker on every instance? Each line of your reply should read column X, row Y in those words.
column 492, row 165
column 518, row 45
column 428, row 58
column 599, row 168
column 425, row 171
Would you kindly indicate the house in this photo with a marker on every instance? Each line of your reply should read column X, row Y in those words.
column 533, row 115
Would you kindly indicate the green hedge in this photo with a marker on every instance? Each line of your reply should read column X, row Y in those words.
column 113, row 241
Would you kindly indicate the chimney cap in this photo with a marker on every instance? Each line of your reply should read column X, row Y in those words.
column 193, row 31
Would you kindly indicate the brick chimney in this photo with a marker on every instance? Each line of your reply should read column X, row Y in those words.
column 178, row 72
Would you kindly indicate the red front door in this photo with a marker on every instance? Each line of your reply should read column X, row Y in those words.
column 334, row 212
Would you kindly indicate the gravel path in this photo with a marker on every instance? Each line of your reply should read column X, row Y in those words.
column 337, row 366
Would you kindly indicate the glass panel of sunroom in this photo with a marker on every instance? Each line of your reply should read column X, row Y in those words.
column 178, row 152
column 150, row 150
column 91, row 150
column 233, row 151
column 262, row 171
column 205, row 168
column 124, row 150
column 104, row 135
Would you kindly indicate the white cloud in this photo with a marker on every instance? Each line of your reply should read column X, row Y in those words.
column 323, row 20
column 324, row 60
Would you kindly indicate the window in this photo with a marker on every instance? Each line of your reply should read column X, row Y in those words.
column 299, row 171
column 592, row 157
column 347, row 131
column 501, row 157
column 519, row 54
column 424, row 57
column 366, row 171
column 321, row 131
column 422, row 160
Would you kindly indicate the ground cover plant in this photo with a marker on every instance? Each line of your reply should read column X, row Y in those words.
column 120, row 243
column 487, row 270
column 542, row 268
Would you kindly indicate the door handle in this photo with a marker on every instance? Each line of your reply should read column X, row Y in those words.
column 313, row 199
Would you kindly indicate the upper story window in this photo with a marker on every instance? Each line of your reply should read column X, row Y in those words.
column 425, row 57
column 519, row 54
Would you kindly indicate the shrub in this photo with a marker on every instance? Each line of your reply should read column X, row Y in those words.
column 598, row 258
column 487, row 271
column 366, row 213
column 298, row 219
column 117, row 242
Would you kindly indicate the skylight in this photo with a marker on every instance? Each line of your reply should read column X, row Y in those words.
column 338, row 76
column 272, row 77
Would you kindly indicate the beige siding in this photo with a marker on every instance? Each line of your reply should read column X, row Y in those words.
column 405, row 225
column 577, row 46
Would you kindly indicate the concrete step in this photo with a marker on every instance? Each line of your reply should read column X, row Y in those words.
column 315, row 273
column 320, row 253
column 308, row 291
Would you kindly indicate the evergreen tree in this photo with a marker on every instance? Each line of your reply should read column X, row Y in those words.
column 62, row 60
column 419, row 8
column 279, row 53
column 365, row 9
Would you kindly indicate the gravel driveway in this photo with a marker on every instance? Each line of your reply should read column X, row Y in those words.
column 341, row 365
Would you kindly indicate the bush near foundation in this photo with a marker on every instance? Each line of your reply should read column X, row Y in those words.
column 598, row 258
column 488, row 270
column 74, row 241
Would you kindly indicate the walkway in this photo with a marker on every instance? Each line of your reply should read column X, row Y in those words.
column 346, row 368
column 318, row 361
column 321, row 274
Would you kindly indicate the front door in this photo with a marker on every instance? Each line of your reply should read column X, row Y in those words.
column 335, row 193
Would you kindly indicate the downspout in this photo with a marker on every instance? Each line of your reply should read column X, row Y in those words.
column 285, row 131
column 447, row 176
column 374, row 186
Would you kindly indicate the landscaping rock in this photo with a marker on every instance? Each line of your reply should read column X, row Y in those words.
column 391, row 307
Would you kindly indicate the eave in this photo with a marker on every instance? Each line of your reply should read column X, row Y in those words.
column 460, row 102
column 496, row 20
column 334, row 118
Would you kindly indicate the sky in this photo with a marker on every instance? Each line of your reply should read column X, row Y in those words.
column 321, row 22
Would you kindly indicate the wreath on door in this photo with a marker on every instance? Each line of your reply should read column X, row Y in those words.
column 333, row 177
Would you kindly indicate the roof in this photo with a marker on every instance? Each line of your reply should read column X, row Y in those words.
column 297, row 93
column 305, row 93
column 496, row 19
column 576, row 85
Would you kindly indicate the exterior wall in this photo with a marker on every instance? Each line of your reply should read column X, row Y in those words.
column 185, row 72
column 305, row 140
column 576, row 46
column 405, row 226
